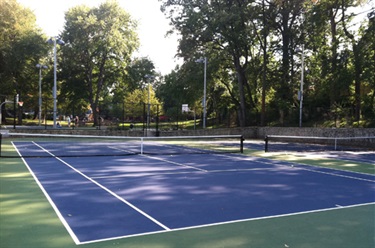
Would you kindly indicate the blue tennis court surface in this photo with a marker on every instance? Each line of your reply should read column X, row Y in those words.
column 101, row 198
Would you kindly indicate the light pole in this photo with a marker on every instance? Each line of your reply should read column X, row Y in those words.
column 300, row 92
column 204, row 61
column 301, row 89
column 300, row 95
column 40, row 67
column 54, row 41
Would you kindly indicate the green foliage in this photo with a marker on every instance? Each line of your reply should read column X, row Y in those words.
column 99, row 43
column 142, row 97
column 136, row 70
column 255, row 66
column 21, row 47
column 221, row 28
column 253, row 71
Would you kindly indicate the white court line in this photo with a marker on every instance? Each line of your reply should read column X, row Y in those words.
column 303, row 166
column 175, row 163
column 145, row 174
column 270, row 163
column 276, row 163
column 165, row 160
column 299, row 166
column 153, row 173
column 123, row 150
column 106, row 189
column 337, row 175
column 199, row 226
column 62, row 219
column 329, row 155
column 337, row 207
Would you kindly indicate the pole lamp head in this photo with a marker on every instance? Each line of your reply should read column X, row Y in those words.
column 150, row 77
column 201, row 60
column 39, row 66
column 60, row 42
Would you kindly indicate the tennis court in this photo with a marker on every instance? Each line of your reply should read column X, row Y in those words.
column 101, row 198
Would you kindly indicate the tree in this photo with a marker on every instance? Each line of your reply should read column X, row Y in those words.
column 21, row 46
column 137, row 102
column 358, row 54
column 285, row 27
column 134, row 78
column 99, row 43
column 217, row 25
column 137, row 69
column 335, row 58
column 184, row 85
column 367, row 48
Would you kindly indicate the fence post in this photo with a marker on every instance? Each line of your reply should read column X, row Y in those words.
column 15, row 112
column 242, row 140
column 123, row 115
column 157, row 121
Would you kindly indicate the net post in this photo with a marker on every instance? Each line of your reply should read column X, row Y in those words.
column 266, row 144
column 1, row 140
column 241, row 146
column 335, row 144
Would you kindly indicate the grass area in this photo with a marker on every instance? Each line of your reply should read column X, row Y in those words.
column 28, row 220
column 168, row 125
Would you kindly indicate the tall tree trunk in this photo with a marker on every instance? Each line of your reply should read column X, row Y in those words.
column 241, row 81
column 357, row 80
column 285, row 68
column 264, row 71
column 357, row 66
column 333, row 91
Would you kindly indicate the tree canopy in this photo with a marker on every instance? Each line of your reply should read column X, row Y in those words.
column 21, row 47
column 99, row 45
column 261, row 54
column 256, row 49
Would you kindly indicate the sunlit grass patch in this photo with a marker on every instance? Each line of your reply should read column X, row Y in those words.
column 315, row 160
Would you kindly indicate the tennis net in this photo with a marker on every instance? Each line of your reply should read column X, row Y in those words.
column 282, row 143
column 60, row 145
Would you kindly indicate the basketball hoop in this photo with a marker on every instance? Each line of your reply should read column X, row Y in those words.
column 185, row 108
column 20, row 103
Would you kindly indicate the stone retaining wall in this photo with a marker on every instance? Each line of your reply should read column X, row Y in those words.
column 248, row 132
